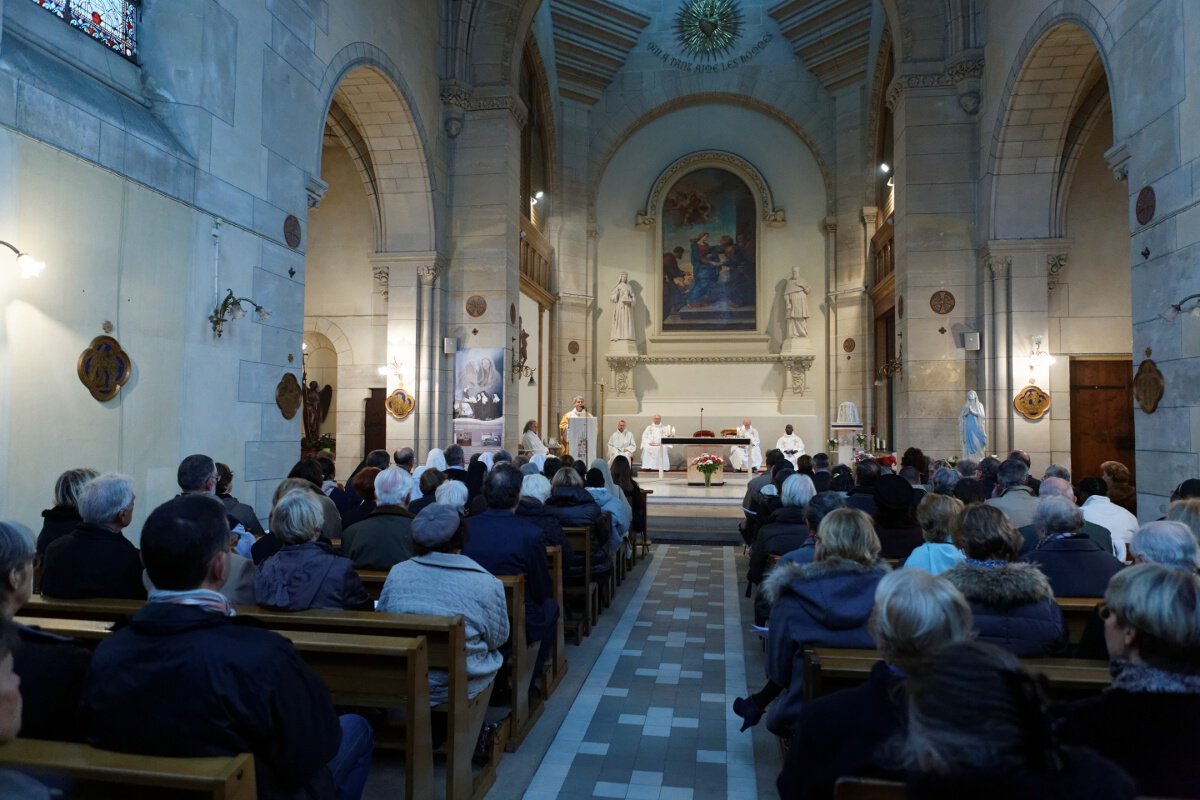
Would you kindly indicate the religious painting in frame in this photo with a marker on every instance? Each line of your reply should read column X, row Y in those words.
column 478, row 398
column 709, row 235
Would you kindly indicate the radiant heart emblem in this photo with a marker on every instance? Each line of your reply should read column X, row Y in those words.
column 708, row 27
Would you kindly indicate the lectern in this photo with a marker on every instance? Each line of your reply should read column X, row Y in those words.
column 581, row 438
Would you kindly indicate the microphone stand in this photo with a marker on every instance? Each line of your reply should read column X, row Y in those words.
column 702, row 418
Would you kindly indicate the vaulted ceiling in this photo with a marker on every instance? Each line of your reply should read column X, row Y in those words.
column 831, row 37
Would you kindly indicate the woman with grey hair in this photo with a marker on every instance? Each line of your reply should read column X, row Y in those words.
column 453, row 494
column 1148, row 720
column 535, row 491
column 845, row 733
column 95, row 559
column 1075, row 565
column 305, row 573
column 784, row 531
column 51, row 668
column 64, row 517
column 944, row 480
column 978, row 728
column 1187, row 512
column 1165, row 542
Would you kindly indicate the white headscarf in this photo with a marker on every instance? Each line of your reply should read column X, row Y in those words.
column 486, row 458
column 436, row 459
column 538, row 460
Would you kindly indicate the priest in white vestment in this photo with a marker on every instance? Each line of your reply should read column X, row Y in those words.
column 653, row 450
column 747, row 456
column 531, row 442
column 621, row 443
column 791, row 445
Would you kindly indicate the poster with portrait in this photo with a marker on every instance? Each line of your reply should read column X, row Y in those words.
column 479, row 398
column 709, row 230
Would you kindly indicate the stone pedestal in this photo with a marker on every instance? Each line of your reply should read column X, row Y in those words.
column 622, row 357
column 845, row 438
column 797, row 356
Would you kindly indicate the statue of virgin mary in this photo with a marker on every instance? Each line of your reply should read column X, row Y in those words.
column 971, row 428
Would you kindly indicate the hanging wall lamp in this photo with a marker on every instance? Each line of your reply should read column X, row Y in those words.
column 231, row 308
column 30, row 267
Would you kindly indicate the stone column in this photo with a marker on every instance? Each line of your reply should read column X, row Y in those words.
column 429, row 354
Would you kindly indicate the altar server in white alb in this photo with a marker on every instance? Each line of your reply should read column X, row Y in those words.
column 621, row 444
column 531, row 442
column 653, row 450
column 747, row 457
column 791, row 445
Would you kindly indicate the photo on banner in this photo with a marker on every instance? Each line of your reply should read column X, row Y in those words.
column 709, row 231
column 479, row 399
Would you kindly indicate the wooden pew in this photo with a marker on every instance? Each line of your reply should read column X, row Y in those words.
column 445, row 649
column 867, row 789
column 521, row 660
column 218, row 777
column 645, row 534
column 1077, row 613
column 360, row 670
column 558, row 660
column 372, row 580
column 827, row 669
column 580, row 540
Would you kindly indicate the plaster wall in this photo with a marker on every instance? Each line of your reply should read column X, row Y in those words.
column 756, row 388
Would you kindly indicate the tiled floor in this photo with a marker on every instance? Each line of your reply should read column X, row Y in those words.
column 652, row 719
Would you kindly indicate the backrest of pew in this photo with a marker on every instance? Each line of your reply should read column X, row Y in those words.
column 579, row 538
column 867, row 789
column 217, row 777
column 1077, row 613
column 372, row 580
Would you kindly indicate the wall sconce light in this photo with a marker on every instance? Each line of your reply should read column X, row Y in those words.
column 30, row 267
column 230, row 309
column 520, row 369
column 1039, row 357
column 893, row 367
column 392, row 369
column 1176, row 309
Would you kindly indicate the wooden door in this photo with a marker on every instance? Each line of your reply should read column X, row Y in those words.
column 374, row 422
column 1101, row 415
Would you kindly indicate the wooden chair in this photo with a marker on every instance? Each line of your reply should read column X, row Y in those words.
column 217, row 777
column 728, row 432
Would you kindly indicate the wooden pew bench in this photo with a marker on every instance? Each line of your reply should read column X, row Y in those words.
column 558, row 660
column 218, row 778
column 360, row 670
column 579, row 539
column 827, row 669
column 1077, row 613
column 445, row 650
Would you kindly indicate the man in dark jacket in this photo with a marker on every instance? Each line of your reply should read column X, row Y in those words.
column 1075, row 565
column 1060, row 487
column 186, row 679
column 384, row 538
column 505, row 544
column 95, row 559
column 862, row 496
column 821, row 474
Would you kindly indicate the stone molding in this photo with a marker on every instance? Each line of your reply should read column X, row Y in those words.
column 1055, row 264
column 383, row 274
column 797, row 368
column 771, row 216
column 1118, row 160
column 315, row 189
column 428, row 274
column 459, row 95
column 722, row 359
column 958, row 75
column 999, row 266
column 622, row 369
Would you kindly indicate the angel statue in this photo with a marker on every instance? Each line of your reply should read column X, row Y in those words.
column 316, row 409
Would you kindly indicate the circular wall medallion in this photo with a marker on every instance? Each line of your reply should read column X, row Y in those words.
column 291, row 231
column 848, row 345
column 1148, row 386
column 512, row 313
column 288, row 395
column 708, row 29
column 941, row 301
column 1031, row 402
column 1146, row 205
column 104, row 368
column 900, row 307
column 400, row 404
column 573, row 348
column 476, row 305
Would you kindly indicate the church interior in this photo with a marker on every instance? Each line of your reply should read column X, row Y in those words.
column 316, row 227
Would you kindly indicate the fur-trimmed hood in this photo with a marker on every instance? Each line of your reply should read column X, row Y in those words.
column 1002, row 586
column 833, row 591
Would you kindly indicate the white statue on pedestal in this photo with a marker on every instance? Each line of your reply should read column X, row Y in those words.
column 622, row 322
column 848, row 414
column 795, row 298
column 971, row 428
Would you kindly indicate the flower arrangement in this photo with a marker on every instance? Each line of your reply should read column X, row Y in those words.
column 708, row 465
column 832, row 445
column 952, row 461
column 860, row 439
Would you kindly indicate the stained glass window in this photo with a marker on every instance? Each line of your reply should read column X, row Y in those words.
column 113, row 22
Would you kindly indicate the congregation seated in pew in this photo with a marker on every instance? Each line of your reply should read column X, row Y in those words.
column 306, row 573
column 384, row 538
column 63, row 516
column 240, row 688
column 440, row 580
column 573, row 507
column 269, row 544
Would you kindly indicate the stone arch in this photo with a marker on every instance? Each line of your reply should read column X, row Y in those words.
column 921, row 28
column 1050, row 84
column 496, row 31
column 609, row 139
column 367, row 88
column 328, row 329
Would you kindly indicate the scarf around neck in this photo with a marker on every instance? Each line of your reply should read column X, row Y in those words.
column 1145, row 678
column 203, row 598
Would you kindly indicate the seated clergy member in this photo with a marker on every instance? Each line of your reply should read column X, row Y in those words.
column 747, row 457
column 1075, row 565
column 531, row 441
column 439, row 579
column 95, row 559
column 621, row 443
column 184, row 678
column 654, row 452
column 384, row 538
column 791, row 445
column 505, row 544
column 305, row 573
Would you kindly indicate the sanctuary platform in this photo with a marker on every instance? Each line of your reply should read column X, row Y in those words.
column 682, row 514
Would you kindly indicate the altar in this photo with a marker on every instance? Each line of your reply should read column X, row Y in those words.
column 698, row 446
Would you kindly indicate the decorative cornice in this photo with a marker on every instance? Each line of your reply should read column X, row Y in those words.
column 382, row 273
column 771, row 216
column 721, row 359
column 1118, row 160
column 956, row 75
column 797, row 368
column 456, row 94
column 315, row 188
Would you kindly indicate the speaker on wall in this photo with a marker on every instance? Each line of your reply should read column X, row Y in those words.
column 970, row 340
column 449, row 345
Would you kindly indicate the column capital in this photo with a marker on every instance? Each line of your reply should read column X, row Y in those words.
column 870, row 215
column 467, row 99
column 1118, row 157
column 315, row 188
column 428, row 274
column 831, row 225
column 999, row 266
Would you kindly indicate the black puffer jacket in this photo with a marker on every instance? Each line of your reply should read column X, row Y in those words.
column 1013, row 606
column 573, row 507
